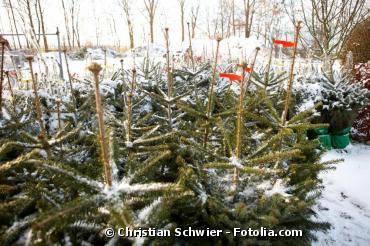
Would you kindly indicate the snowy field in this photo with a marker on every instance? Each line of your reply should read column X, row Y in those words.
column 345, row 201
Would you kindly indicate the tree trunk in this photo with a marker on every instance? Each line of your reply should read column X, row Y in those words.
column 194, row 19
column 233, row 17
column 72, row 23
column 250, row 24
column 15, row 24
column 29, row 13
column 151, row 23
column 43, row 27
column 66, row 25
column 38, row 23
column 11, row 27
column 131, row 33
column 77, row 29
column 246, row 15
column 182, row 2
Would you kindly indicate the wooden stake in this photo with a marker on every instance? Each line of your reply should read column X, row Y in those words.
column 2, row 76
column 29, row 58
column 9, row 84
column 11, row 91
column 269, row 65
column 169, row 78
column 121, row 61
column 239, row 117
column 291, row 76
column 210, row 93
column 58, row 101
column 34, row 80
column 129, row 106
column 95, row 70
column 70, row 85
column 105, row 59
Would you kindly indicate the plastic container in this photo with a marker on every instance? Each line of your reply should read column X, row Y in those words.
column 325, row 141
column 340, row 141
column 342, row 131
column 321, row 131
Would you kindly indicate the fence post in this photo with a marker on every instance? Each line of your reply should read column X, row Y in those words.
column 60, row 56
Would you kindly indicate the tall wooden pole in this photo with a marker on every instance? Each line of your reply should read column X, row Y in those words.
column 60, row 55
column 34, row 79
column 70, row 84
column 210, row 93
column 243, row 89
column 239, row 117
column 291, row 76
column 130, row 105
column 169, row 77
column 9, row 84
column 95, row 70
column 15, row 24
column 2, row 76
column 267, row 74
column 58, row 102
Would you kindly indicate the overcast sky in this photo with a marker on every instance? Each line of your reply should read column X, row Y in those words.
column 99, row 15
column 107, row 10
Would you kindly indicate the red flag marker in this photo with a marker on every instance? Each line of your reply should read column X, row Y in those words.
column 231, row 76
column 247, row 69
column 285, row 44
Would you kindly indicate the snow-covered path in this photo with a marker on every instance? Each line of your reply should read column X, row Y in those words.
column 345, row 203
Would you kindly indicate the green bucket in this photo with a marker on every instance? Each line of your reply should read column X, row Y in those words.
column 321, row 131
column 323, row 135
column 340, row 141
column 325, row 141
column 342, row 131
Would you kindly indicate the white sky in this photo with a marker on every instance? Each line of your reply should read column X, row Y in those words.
column 107, row 10
column 167, row 16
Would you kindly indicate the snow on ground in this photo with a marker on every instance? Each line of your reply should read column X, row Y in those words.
column 345, row 203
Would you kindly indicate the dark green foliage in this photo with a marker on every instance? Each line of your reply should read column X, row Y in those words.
column 341, row 102
column 163, row 175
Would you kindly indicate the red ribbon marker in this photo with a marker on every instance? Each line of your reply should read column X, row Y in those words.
column 285, row 44
column 247, row 69
column 231, row 76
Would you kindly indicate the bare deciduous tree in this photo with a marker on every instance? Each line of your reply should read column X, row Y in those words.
column 66, row 24
column 248, row 14
column 114, row 31
column 223, row 18
column 14, row 22
column 151, row 8
column 182, row 13
column 71, row 10
column 329, row 22
column 9, row 17
column 27, row 4
column 194, row 18
column 38, row 3
column 77, row 24
column 25, row 10
column 127, row 11
column 233, row 16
